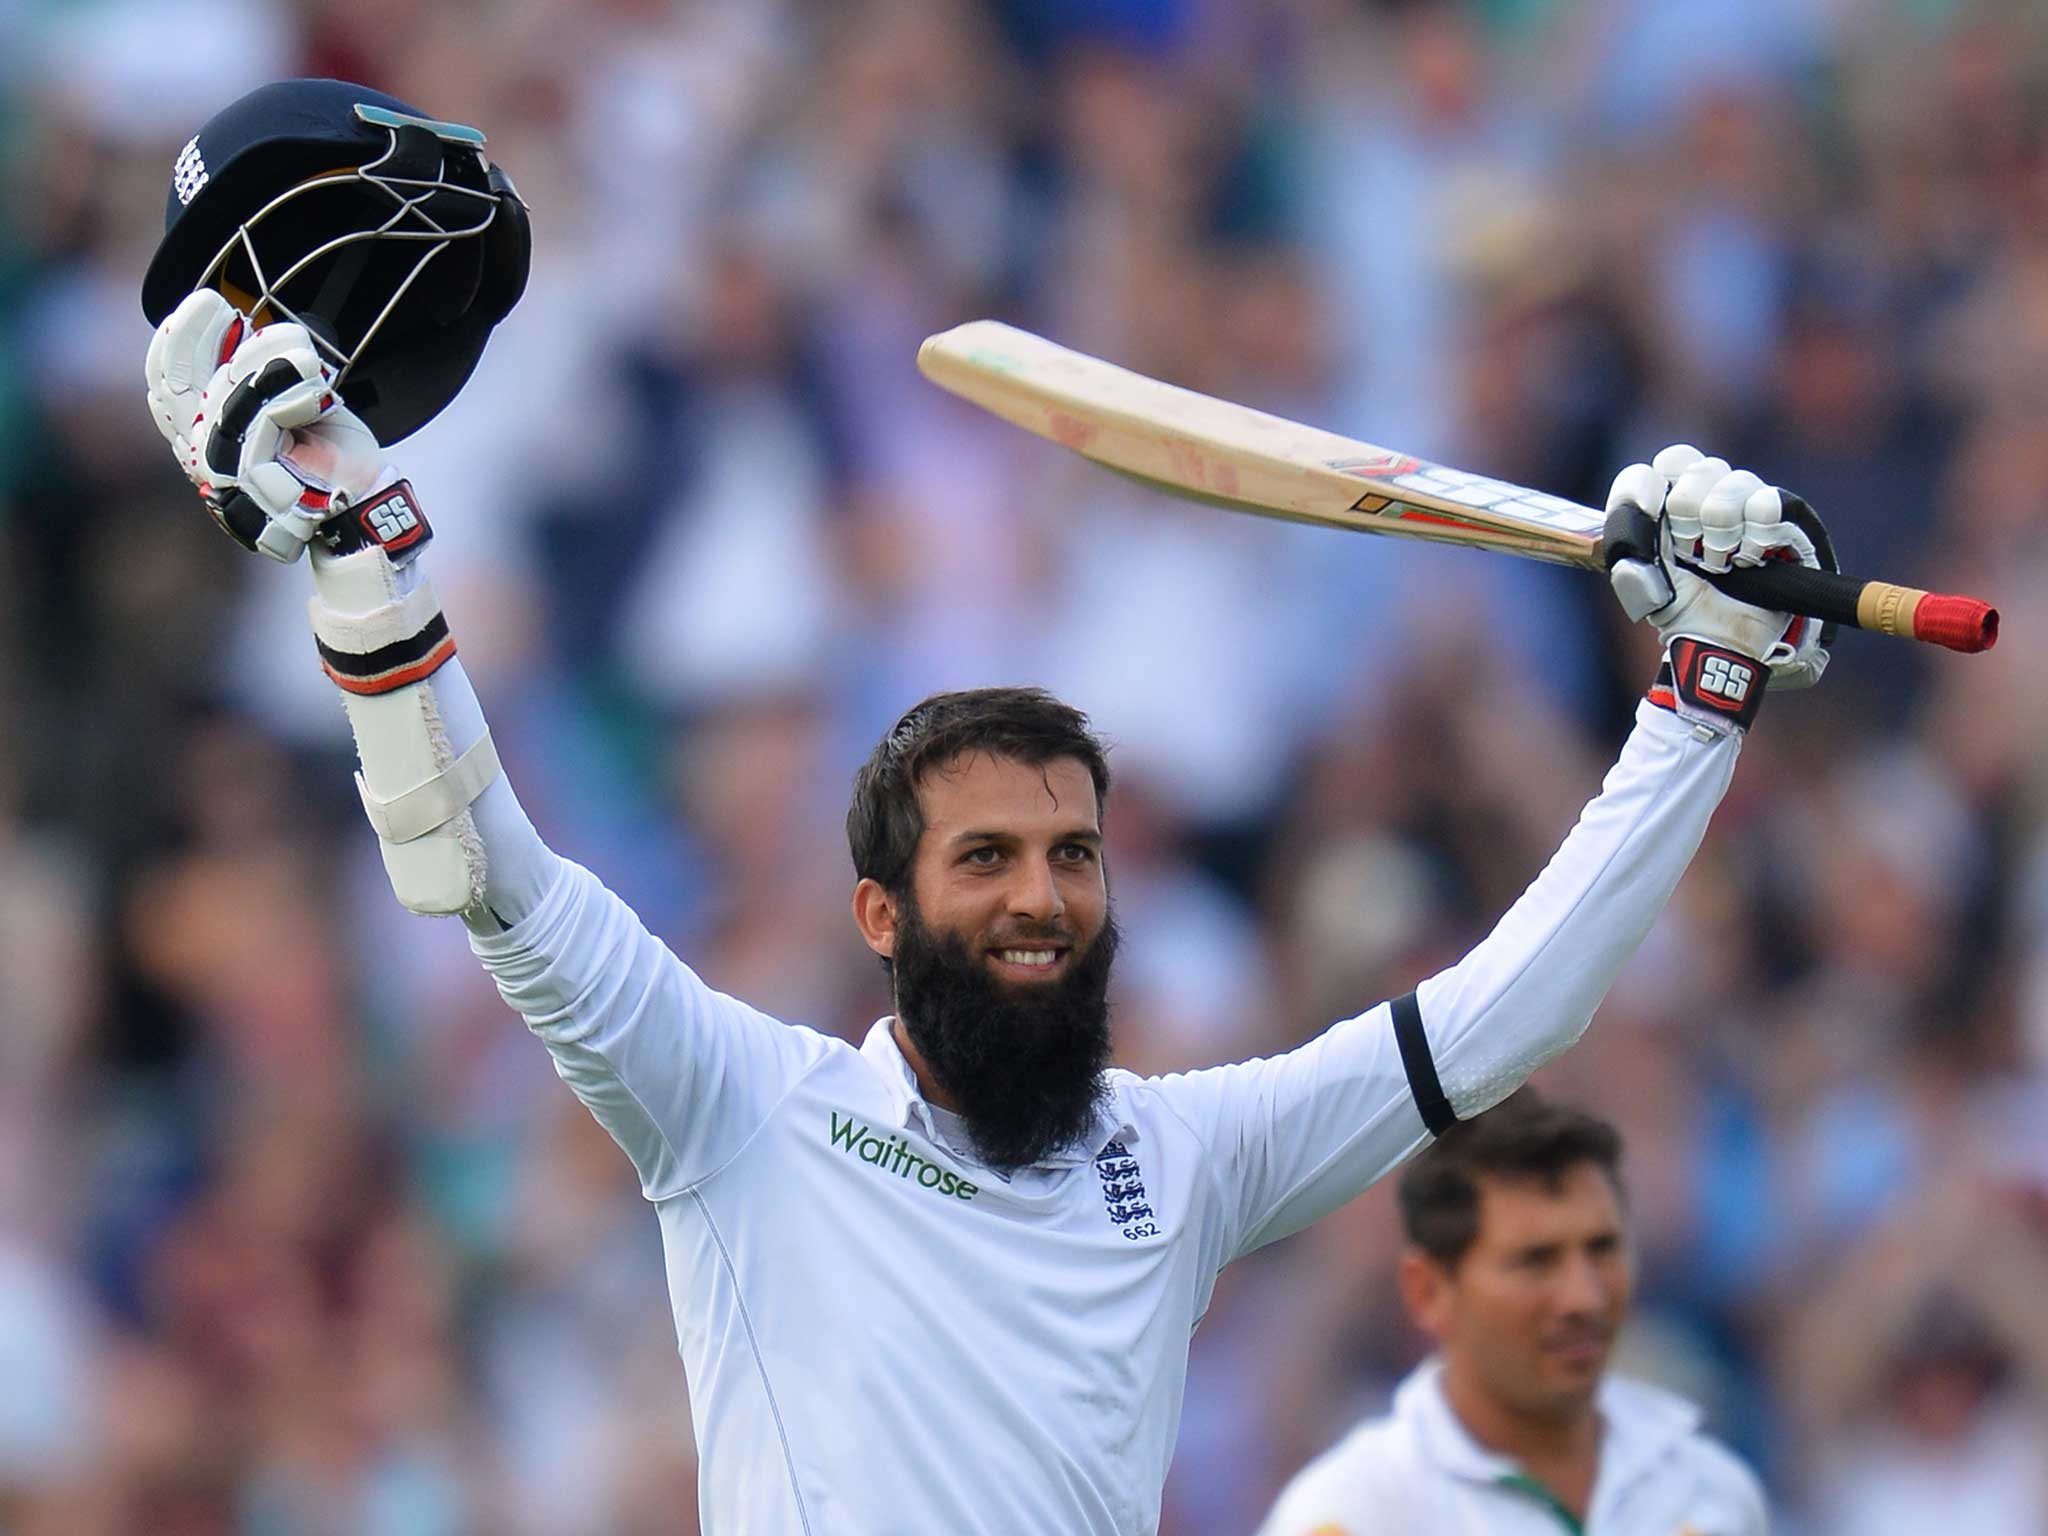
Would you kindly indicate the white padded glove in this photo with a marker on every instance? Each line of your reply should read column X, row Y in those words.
column 252, row 416
column 1712, row 518
column 280, row 462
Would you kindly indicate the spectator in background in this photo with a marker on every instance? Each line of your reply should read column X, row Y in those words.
column 1919, row 1370
column 1518, row 1266
column 760, row 206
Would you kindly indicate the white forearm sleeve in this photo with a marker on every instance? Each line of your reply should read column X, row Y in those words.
column 1295, row 1136
column 453, row 835
column 1527, row 991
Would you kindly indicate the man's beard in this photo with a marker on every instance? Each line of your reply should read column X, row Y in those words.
column 1022, row 1063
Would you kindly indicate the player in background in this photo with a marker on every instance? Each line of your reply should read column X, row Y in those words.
column 1518, row 1266
column 944, row 1280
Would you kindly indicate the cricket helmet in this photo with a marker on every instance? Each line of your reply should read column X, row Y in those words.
column 388, row 235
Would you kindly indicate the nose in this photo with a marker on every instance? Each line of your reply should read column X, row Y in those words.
column 1034, row 895
column 1585, row 1287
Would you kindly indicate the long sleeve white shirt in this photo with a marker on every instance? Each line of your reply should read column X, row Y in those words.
column 1420, row 1473
column 881, row 1336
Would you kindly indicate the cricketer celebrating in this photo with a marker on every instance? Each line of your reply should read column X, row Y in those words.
column 1518, row 1267
column 943, row 1282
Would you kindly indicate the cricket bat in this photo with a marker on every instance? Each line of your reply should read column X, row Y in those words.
column 1195, row 446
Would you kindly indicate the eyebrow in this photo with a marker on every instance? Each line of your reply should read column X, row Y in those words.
column 1559, row 1244
column 1086, row 835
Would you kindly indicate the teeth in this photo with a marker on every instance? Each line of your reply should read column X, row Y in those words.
column 1027, row 956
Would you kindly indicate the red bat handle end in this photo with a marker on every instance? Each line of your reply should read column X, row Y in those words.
column 1938, row 618
column 1960, row 623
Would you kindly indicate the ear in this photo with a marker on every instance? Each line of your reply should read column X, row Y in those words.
column 1426, row 1291
column 875, row 915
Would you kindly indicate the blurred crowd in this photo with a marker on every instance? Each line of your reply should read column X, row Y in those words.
column 298, row 1232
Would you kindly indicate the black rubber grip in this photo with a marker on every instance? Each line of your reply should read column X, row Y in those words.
column 1631, row 534
column 1793, row 588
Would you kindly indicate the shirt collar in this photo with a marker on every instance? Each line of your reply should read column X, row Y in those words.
column 1420, row 1403
column 898, row 1080
column 1113, row 1121
column 1643, row 1422
column 1640, row 1421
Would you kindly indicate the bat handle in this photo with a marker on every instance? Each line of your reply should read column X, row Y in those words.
column 1959, row 623
column 1939, row 618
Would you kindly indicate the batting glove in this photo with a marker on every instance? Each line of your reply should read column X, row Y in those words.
column 1711, row 519
column 251, row 413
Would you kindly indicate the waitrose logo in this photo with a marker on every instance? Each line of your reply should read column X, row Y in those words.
column 892, row 1154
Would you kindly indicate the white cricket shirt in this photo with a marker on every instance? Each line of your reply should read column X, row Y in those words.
column 1418, row 1472
column 881, row 1336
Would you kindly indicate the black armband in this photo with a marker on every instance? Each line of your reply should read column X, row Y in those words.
column 1420, row 1066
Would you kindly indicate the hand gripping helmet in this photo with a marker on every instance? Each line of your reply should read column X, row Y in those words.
column 388, row 235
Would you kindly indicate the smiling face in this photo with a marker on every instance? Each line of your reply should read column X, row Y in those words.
column 1000, row 950
column 1527, row 1316
column 1011, row 860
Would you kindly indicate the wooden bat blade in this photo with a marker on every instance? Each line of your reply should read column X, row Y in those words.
column 1194, row 445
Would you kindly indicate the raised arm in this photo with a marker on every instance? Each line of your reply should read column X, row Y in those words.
column 1297, row 1135
column 679, row 1074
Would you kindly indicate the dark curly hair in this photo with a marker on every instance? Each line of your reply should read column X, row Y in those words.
column 1027, row 725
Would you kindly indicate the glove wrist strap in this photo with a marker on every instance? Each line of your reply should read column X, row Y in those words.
column 1709, row 684
column 389, row 519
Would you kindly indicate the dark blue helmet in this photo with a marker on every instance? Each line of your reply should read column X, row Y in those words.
column 388, row 235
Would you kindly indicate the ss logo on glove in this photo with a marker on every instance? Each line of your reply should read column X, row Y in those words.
column 391, row 518
column 1726, row 679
